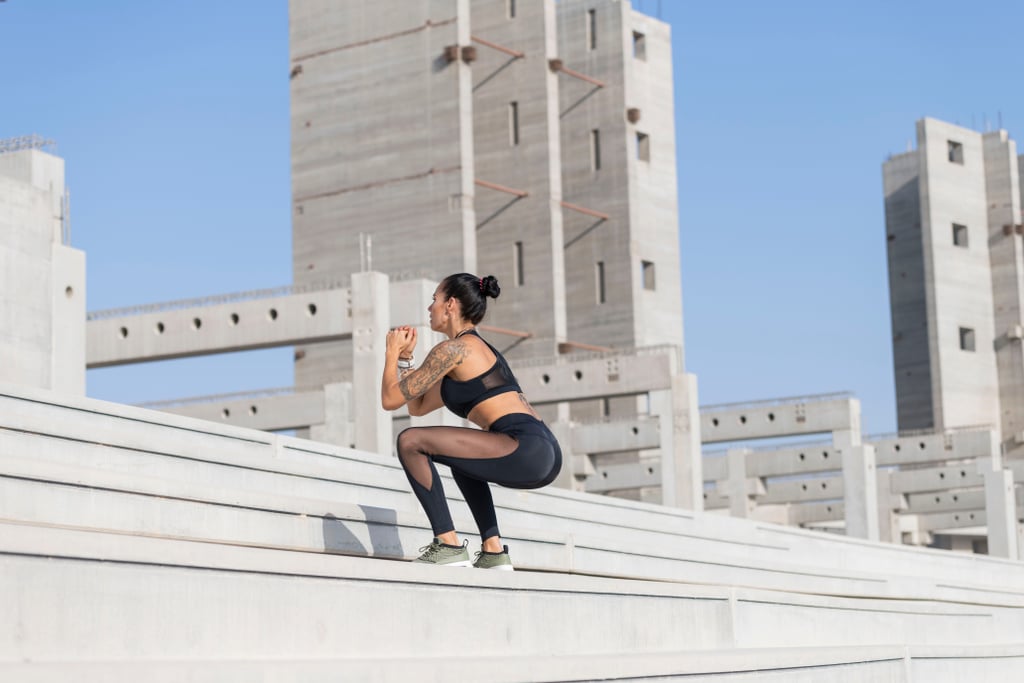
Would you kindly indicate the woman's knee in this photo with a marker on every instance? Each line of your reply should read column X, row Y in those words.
column 409, row 442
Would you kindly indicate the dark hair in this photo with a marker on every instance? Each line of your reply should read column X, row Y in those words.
column 472, row 292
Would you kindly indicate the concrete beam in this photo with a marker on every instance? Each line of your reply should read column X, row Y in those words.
column 632, row 475
column 963, row 475
column 286, row 320
column 804, row 490
column 944, row 446
column 627, row 434
column 771, row 419
column 164, row 331
column 581, row 377
column 269, row 413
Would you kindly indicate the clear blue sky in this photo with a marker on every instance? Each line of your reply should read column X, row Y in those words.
column 173, row 119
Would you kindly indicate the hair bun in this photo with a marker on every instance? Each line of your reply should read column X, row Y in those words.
column 489, row 286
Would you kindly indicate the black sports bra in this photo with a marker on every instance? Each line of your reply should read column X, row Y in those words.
column 460, row 397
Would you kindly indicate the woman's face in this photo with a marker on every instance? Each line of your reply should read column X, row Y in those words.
column 436, row 309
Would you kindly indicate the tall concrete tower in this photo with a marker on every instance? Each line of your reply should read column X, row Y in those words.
column 527, row 139
column 618, row 157
column 42, row 278
column 956, row 280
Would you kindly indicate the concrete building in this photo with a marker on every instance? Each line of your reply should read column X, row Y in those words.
column 42, row 310
column 531, row 140
column 956, row 279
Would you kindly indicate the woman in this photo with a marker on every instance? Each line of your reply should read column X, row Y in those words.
column 472, row 379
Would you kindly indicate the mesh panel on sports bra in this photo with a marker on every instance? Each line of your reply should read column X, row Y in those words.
column 495, row 378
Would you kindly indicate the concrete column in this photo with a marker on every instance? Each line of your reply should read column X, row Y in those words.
column 661, row 404
column 370, row 312
column 682, row 481
column 888, row 504
column 686, row 421
column 338, row 426
column 1001, row 514
column 860, row 485
column 67, row 331
column 740, row 504
column 562, row 429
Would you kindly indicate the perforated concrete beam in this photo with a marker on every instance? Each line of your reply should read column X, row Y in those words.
column 811, row 415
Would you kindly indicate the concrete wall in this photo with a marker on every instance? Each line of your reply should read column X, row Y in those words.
column 1006, row 259
column 654, row 211
column 958, row 279
column 42, row 281
column 907, row 300
column 605, row 296
column 519, row 150
column 381, row 144
column 942, row 285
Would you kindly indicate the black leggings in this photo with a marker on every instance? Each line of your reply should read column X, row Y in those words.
column 518, row 451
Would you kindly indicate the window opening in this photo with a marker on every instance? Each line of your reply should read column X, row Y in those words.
column 517, row 263
column 966, row 339
column 513, row 123
column 956, row 152
column 959, row 235
column 639, row 46
column 643, row 146
column 647, row 267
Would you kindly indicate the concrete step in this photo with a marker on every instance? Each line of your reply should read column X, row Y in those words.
column 201, row 451
column 791, row 665
column 91, row 566
column 604, row 534
column 196, row 499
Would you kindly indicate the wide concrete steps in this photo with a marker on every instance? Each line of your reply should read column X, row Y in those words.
column 303, row 507
column 136, row 541
column 357, row 499
column 117, row 605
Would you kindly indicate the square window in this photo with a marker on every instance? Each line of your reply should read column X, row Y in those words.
column 639, row 46
column 959, row 235
column 647, row 268
column 595, row 150
column 966, row 339
column 956, row 152
column 643, row 146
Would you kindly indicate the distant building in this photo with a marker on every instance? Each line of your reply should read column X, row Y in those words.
column 42, row 279
column 528, row 139
column 956, row 280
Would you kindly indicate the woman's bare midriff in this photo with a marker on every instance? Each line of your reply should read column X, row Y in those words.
column 485, row 413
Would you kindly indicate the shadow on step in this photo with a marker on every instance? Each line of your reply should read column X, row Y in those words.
column 382, row 524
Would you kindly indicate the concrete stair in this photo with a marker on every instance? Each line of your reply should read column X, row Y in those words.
column 133, row 541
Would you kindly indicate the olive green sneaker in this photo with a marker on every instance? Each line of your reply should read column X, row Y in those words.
column 443, row 554
column 500, row 561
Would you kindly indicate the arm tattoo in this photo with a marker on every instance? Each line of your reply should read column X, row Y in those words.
column 438, row 363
